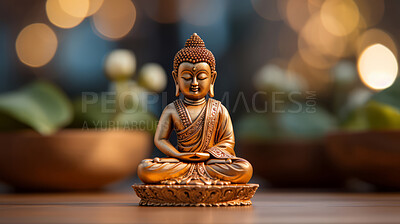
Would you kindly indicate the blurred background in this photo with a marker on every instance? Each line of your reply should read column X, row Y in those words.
column 311, row 86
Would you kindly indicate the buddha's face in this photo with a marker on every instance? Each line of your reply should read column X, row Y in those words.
column 194, row 80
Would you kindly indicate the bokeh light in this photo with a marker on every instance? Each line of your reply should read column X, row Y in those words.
column 120, row 65
column 345, row 73
column 314, row 5
column 373, row 36
column 314, row 58
column 153, row 77
column 115, row 18
column 269, row 77
column 318, row 47
column 94, row 6
column 377, row 67
column 297, row 13
column 76, row 8
column 274, row 77
column 59, row 17
column 36, row 45
column 340, row 17
column 315, row 78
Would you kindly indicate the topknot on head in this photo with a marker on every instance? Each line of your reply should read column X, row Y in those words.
column 195, row 41
column 195, row 51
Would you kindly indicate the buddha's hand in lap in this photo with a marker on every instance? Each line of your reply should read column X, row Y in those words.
column 194, row 156
column 219, row 161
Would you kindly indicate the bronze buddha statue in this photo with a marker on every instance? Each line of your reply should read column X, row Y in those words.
column 205, row 151
column 204, row 155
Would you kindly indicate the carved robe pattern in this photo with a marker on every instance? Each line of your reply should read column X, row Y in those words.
column 210, row 132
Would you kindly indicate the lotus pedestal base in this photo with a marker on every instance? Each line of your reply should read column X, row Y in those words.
column 195, row 195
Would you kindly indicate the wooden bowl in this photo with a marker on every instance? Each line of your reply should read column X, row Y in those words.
column 372, row 156
column 70, row 159
column 292, row 163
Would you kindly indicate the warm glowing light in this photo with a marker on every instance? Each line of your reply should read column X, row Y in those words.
column 36, row 45
column 77, row 8
column 314, row 5
column 316, row 79
column 373, row 36
column 115, row 18
column 267, row 9
column 297, row 13
column 59, row 17
column 316, row 35
column 94, row 6
column 315, row 58
column 377, row 67
column 317, row 46
column 340, row 17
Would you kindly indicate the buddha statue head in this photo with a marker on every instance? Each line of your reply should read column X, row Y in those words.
column 194, row 70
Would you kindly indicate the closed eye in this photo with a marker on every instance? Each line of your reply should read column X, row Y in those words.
column 202, row 76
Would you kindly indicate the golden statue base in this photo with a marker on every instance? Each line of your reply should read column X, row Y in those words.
column 195, row 195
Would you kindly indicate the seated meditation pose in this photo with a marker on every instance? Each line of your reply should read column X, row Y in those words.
column 205, row 152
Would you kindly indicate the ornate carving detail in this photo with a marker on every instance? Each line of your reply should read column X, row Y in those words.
column 219, row 153
column 194, row 195
column 180, row 108
column 214, row 106
column 198, row 123
column 197, row 173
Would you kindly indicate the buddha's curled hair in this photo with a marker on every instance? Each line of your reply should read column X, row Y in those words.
column 195, row 51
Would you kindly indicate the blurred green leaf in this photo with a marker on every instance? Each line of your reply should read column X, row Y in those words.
column 356, row 120
column 373, row 116
column 40, row 105
column 382, row 116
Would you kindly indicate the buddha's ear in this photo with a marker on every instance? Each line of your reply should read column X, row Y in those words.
column 174, row 75
column 213, row 78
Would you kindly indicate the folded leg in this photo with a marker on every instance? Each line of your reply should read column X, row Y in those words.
column 154, row 171
column 237, row 171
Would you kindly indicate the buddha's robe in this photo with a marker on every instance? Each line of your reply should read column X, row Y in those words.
column 210, row 132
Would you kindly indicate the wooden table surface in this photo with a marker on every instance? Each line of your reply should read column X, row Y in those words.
column 267, row 208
